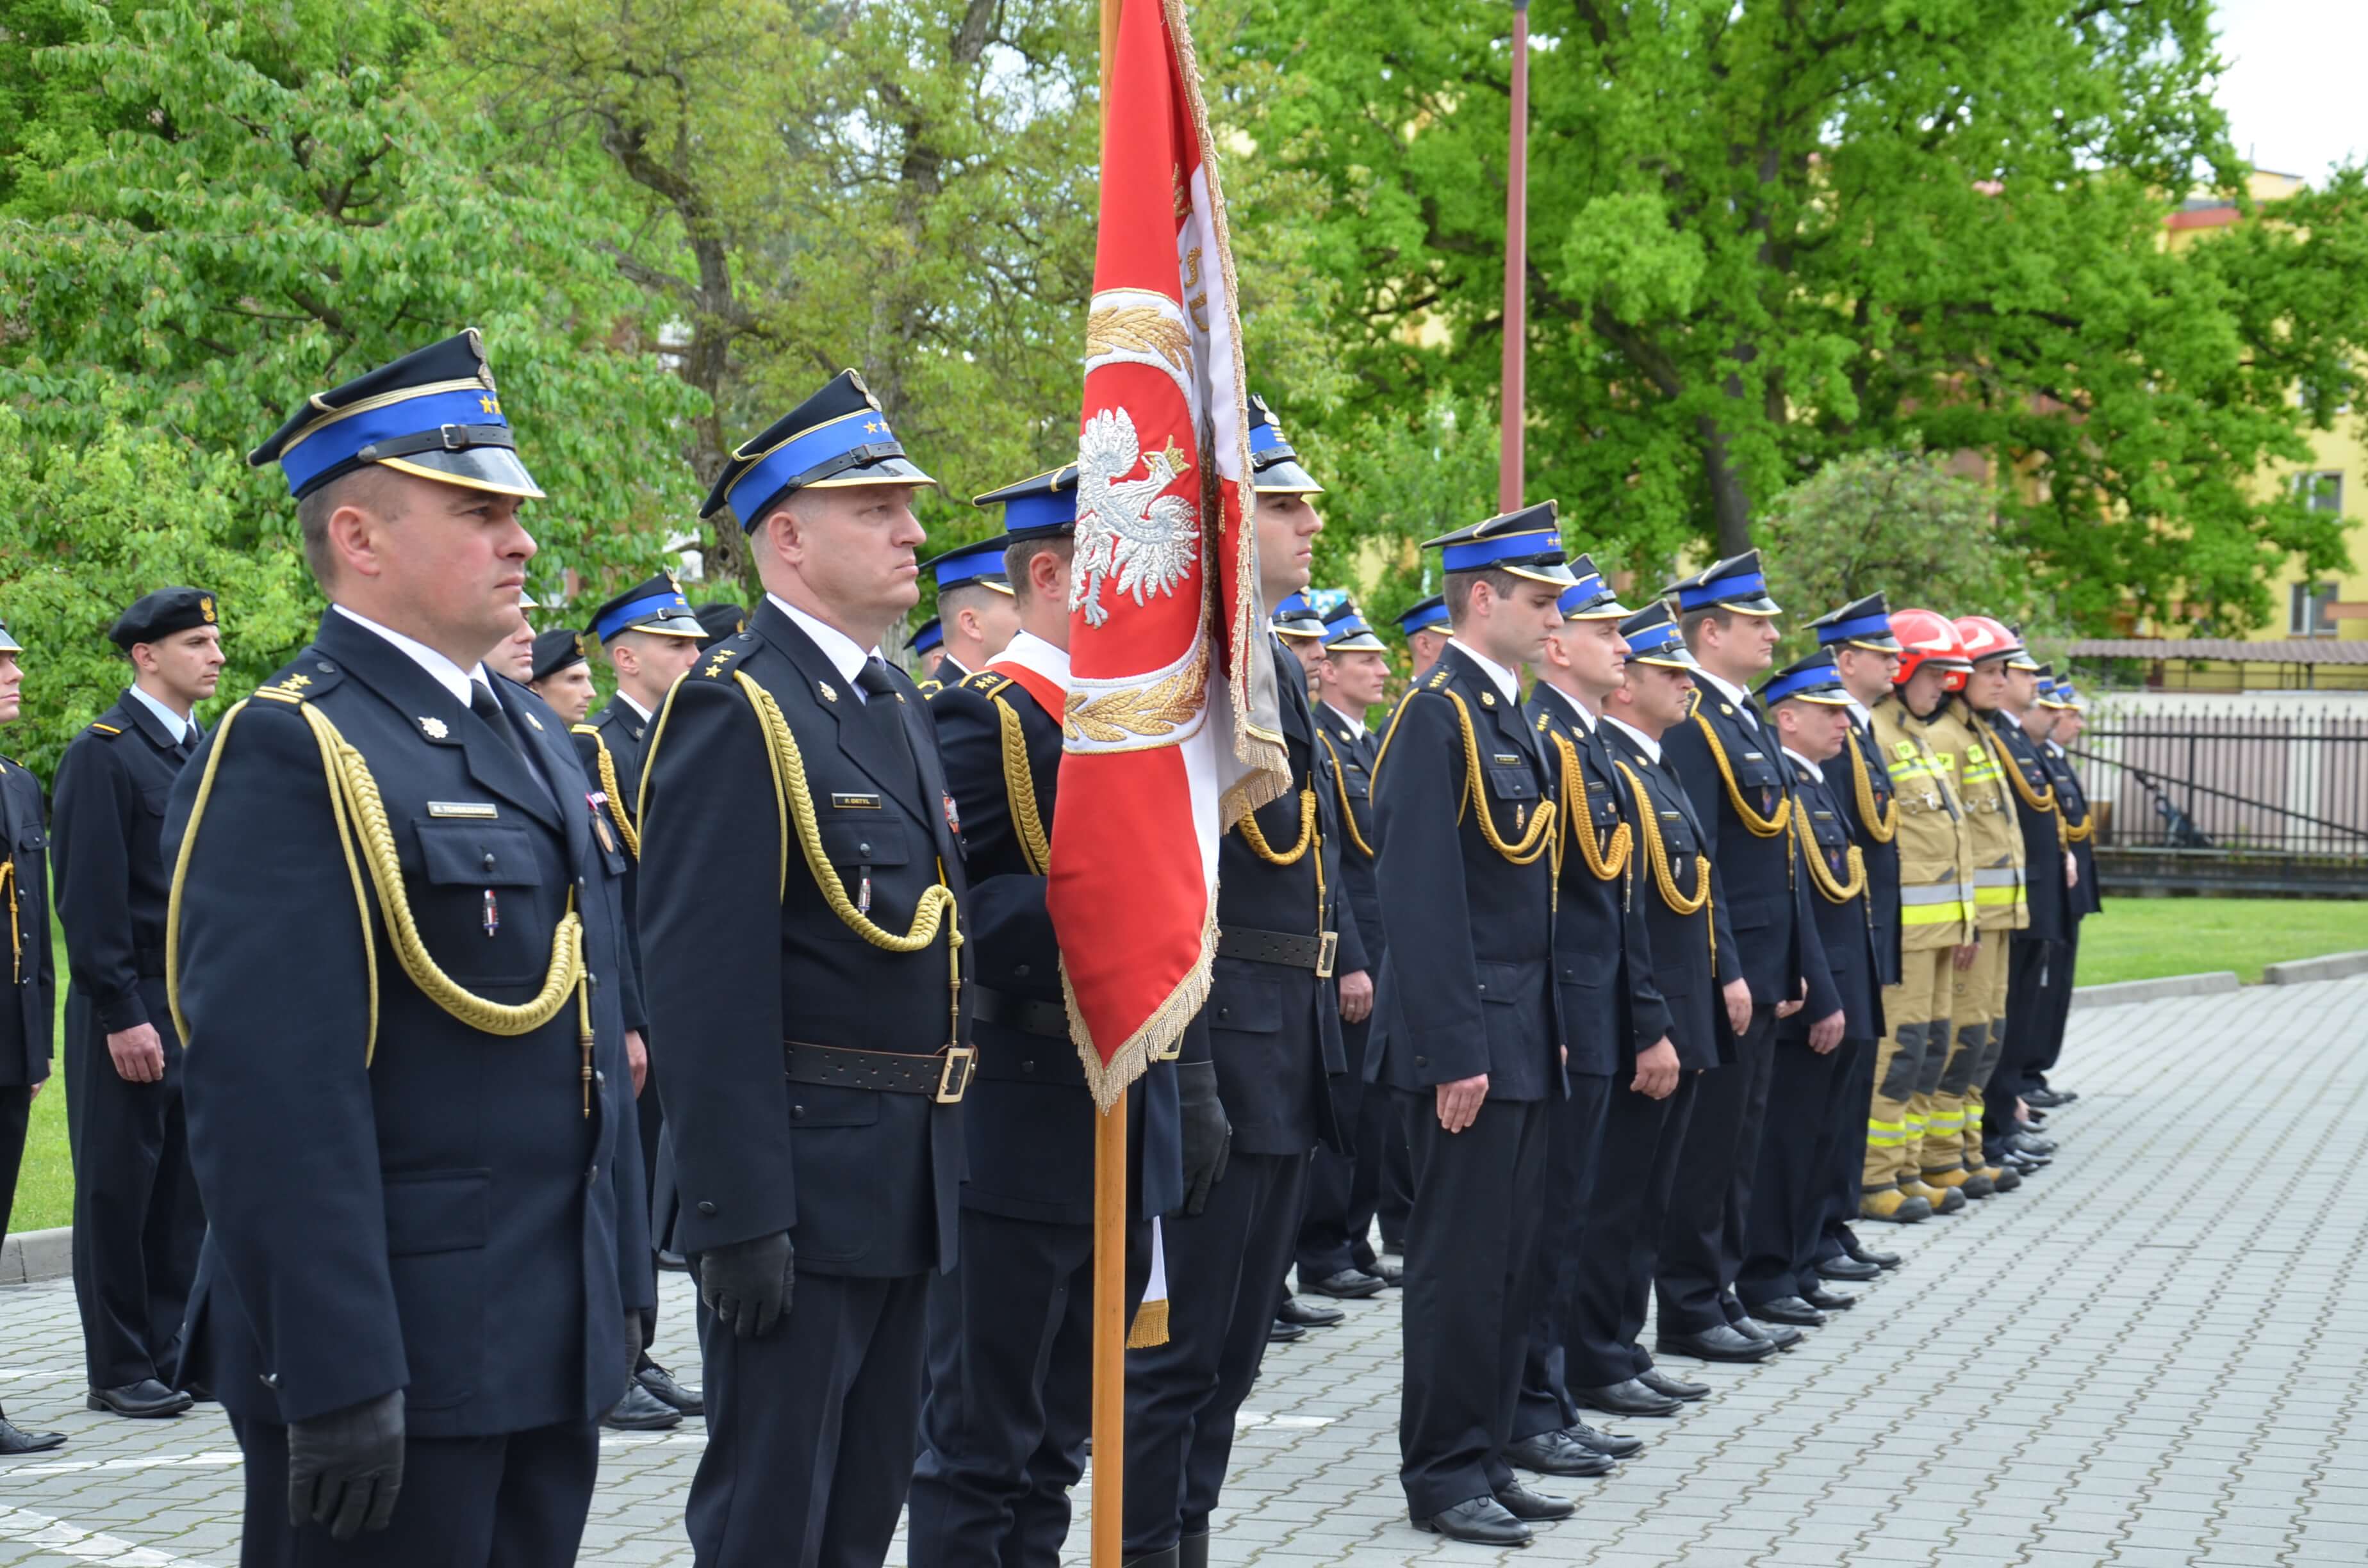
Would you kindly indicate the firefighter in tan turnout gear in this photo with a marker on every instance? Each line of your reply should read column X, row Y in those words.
column 1936, row 915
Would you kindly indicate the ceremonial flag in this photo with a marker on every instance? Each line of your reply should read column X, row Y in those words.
column 1171, row 728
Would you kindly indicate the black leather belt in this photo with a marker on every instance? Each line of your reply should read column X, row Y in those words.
column 1285, row 948
column 944, row 1077
column 1047, row 1018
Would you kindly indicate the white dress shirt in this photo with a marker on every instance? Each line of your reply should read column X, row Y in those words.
column 447, row 674
column 1507, row 681
column 1578, row 709
column 836, row 645
column 1733, row 693
column 1356, row 725
column 181, row 728
column 1814, row 771
column 1645, row 743
column 1030, row 652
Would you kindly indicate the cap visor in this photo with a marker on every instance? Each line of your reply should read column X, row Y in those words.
column 887, row 471
column 1602, row 610
column 1363, row 643
column 1558, row 574
column 1822, row 698
column 672, row 626
column 1284, row 478
column 1313, row 633
column 495, row 470
column 9, row 644
column 1667, row 658
column 1759, row 604
column 1874, row 645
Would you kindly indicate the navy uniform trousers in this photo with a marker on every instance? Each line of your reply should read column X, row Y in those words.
column 1574, row 1144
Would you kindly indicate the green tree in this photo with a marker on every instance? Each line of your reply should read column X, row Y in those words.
column 1762, row 236
column 248, row 203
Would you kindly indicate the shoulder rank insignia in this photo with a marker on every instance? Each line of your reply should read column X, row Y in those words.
column 1440, row 677
column 434, row 727
column 106, row 729
column 1541, row 724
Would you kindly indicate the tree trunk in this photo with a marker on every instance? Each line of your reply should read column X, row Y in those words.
column 1730, row 505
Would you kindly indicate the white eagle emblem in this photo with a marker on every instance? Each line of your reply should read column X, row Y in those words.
column 1141, row 542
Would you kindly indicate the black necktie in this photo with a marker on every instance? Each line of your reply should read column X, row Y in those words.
column 486, row 706
column 187, row 746
column 873, row 678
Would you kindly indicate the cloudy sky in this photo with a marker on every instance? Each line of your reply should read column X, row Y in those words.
column 2292, row 87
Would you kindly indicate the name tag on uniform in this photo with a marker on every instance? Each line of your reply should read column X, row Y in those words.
column 481, row 810
column 856, row 802
column 1503, row 760
column 1754, row 756
column 1822, row 816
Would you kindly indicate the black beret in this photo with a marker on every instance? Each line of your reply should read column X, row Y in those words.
column 555, row 650
column 161, row 614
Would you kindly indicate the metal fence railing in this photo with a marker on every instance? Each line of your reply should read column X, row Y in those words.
column 2285, row 784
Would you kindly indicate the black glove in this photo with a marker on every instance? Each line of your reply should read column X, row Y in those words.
column 345, row 1469
column 632, row 1345
column 1208, row 1136
column 747, row 1284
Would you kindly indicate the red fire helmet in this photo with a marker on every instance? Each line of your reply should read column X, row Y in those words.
column 1987, row 639
column 1929, row 636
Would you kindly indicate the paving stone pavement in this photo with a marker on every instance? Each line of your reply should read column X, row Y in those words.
column 2146, row 1358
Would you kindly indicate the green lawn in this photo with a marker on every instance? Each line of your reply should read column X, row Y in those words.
column 2134, row 938
column 2142, row 938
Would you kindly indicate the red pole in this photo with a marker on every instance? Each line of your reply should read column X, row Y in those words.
column 1517, row 247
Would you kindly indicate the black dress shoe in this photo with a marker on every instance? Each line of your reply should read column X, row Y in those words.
column 199, row 1393
column 1282, row 1332
column 1668, row 1387
column 1617, row 1445
column 145, row 1400
column 1523, row 1504
column 1349, row 1285
column 1164, row 1557
column 1554, row 1453
column 674, row 1261
column 1788, row 1310
column 662, row 1386
column 1482, row 1521
column 14, row 1439
column 1847, row 1268
column 2027, row 1144
column 1827, row 1300
column 1388, row 1273
column 1299, row 1314
column 1631, row 1398
column 1725, row 1342
column 641, row 1410
column 1192, row 1550
column 1783, row 1336
column 1865, row 1254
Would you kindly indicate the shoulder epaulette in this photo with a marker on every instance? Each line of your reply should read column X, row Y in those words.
column 717, row 662
column 931, row 688
column 294, row 684
column 1543, row 722
column 984, row 681
column 107, row 730
column 1439, row 677
column 591, row 730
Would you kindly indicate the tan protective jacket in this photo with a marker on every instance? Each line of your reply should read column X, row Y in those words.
column 1935, row 839
column 1998, row 896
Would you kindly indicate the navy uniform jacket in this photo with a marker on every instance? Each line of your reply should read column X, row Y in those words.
column 1471, row 934
column 442, row 1216
column 620, row 733
column 111, row 790
column 1274, row 1028
column 741, row 953
column 1685, row 947
column 1845, row 931
column 2042, row 846
column 1861, row 766
column 950, row 672
column 1349, row 756
column 2088, row 898
column 1611, row 1008
column 1775, row 940
column 1028, row 1123
column 28, row 1019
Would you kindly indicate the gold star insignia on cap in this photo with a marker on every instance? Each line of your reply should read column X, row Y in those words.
column 872, row 427
column 434, row 727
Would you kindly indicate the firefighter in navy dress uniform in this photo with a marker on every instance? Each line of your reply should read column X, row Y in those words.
column 975, row 614
column 393, row 929
column 800, row 889
column 137, row 1219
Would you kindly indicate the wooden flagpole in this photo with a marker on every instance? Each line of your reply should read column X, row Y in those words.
column 1517, row 247
column 1108, row 1493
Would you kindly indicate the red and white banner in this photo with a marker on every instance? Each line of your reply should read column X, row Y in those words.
column 1170, row 731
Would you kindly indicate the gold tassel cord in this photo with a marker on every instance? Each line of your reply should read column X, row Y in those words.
column 1656, row 854
column 794, row 799
column 1149, row 1329
column 616, row 800
column 1539, row 837
column 1252, row 836
column 15, row 936
column 1821, row 877
column 1340, row 788
column 2081, row 834
column 1019, row 787
column 2032, row 800
column 1755, row 825
column 1882, row 825
column 1611, row 858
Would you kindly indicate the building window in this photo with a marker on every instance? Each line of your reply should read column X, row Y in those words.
column 2320, row 491
column 2308, row 615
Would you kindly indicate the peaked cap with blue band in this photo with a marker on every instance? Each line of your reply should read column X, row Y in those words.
column 1811, row 679
column 719, row 620
column 1424, row 614
column 1345, row 631
column 1528, row 543
column 1861, row 623
column 1274, row 466
column 8, row 644
column 1038, row 507
column 657, row 606
column 2021, row 658
column 1654, row 639
column 1591, row 598
column 929, row 637
column 1297, row 616
column 1735, row 584
column 433, row 413
column 978, row 565
column 834, row 439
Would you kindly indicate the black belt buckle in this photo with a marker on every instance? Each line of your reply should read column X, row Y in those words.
column 953, row 1079
column 1326, row 947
